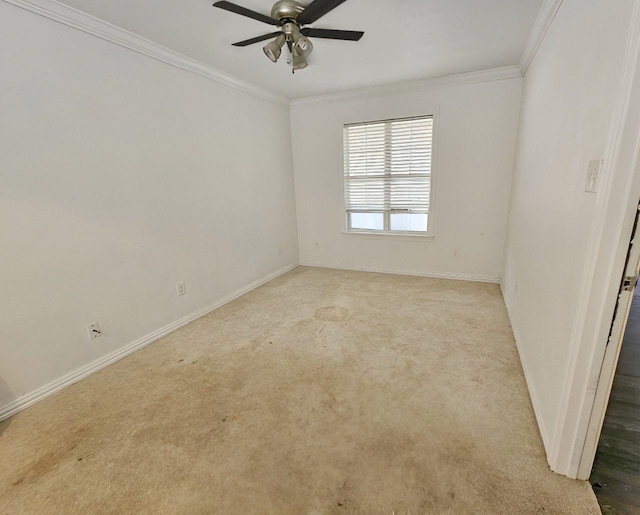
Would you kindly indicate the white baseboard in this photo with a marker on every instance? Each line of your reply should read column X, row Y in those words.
column 45, row 391
column 434, row 275
column 535, row 398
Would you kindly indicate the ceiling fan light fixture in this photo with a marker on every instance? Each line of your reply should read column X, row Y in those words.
column 273, row 49
column 303, row 46
column 298, row 61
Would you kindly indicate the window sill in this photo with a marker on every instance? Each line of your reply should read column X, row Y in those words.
column 392, row 235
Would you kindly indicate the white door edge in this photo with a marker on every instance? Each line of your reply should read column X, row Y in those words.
column 611, row 356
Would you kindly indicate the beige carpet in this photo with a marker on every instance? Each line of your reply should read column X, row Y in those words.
column 322, row 392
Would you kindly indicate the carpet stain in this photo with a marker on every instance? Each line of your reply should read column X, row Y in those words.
column 48, row 462
column 332, row 313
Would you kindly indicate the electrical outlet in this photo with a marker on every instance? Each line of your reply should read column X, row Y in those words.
column 181, row 289
column 94, row 330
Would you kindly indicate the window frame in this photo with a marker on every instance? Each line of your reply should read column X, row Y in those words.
column 410, row 235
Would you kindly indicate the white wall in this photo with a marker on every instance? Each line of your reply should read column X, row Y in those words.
column 120, row 175
column 475, row 135
column 569, row 98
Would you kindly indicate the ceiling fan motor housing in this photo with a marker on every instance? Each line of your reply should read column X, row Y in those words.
column 286, row 10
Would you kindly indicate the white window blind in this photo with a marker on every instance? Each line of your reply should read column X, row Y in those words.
column 387, row 174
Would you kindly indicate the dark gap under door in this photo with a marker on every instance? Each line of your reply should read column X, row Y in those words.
column 616, row 470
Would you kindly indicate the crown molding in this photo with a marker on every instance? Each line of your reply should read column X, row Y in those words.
column 494, row 74
column 79, row 20
column 540, row 28
column 76, row 19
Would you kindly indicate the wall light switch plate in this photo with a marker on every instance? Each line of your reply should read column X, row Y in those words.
column 593, row 176
column 181, row 289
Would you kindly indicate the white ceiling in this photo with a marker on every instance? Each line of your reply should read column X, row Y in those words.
column 404, row 39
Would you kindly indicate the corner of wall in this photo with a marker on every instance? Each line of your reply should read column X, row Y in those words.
column 533, row 394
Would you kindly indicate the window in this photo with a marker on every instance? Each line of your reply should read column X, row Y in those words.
column 387, row 175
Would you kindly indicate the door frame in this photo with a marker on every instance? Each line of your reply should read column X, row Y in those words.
column 589, row 374
column 612, row 352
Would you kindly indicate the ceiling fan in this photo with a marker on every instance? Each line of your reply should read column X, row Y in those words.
column 292, row 17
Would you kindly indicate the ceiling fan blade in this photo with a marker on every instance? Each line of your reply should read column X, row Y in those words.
column 251, row 41
column 317, row 9
column 345, row 35
column 243, row 11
